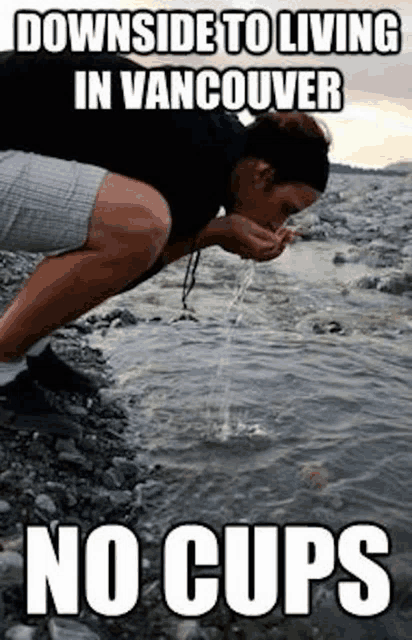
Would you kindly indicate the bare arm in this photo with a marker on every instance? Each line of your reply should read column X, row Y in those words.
column 234, row 233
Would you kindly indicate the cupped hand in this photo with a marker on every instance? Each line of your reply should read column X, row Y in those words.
column 249, row 240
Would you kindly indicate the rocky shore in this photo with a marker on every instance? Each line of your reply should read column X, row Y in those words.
column 95, row 478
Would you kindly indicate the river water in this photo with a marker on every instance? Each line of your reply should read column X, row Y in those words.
column 289, row 403
column 306, row 382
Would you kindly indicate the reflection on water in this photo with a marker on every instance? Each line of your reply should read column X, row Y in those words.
column 265, row 406
column 313, row 262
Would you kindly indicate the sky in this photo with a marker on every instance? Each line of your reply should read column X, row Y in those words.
column 374, row 128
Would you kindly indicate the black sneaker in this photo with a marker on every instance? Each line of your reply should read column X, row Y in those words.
column 23, row 405
column 54, row 374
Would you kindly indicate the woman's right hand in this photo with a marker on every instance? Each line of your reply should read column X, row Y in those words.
column 248, row 239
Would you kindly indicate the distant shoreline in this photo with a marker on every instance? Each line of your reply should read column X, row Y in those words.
column 344, row 168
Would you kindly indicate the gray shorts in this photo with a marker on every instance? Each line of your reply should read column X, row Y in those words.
column 45, row 203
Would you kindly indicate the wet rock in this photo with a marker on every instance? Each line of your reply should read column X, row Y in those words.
column 317, row 328
column 382, row 245
column 81, row 325
column 314, row 475
column 11, row 568
column 334, row 327
column 339, row 258
column 120, row 318
column 352, row 256
column 185, row 315
column 333, row 216
column 396, row 284
column 44, row 503
column 102, row 325
column 328, row 326
column 61, row 629
column 368, row 282
column 20, row 632
column 380, row 261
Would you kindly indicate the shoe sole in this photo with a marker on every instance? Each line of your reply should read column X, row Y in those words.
column 52, row 372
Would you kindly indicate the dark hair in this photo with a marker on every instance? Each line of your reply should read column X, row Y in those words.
column 293, row 144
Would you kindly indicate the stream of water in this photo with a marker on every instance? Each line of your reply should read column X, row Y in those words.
column 282, row 421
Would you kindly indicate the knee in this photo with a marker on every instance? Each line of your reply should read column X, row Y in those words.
column 131, row 219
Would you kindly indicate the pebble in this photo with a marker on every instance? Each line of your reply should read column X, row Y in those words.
column 81, row 326
column 20, row 632
column 127, row 467
column 61, row 629
column 138, row 495
column 112, row 479
column 4, row 506
column 76, row 410
column 45, row 503
column 190, row 630
column 120, row 318
column 407, row 250
column 76, row 458
column 65, row 444
column 71, row 499
column 148, row 489
column 120, row 498
column 55, row 486
column 11, row 568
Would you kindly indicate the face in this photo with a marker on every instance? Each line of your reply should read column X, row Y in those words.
column 259, row 197
column 284, row 200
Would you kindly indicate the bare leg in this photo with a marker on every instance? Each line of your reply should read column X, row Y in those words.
column 128, row 230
